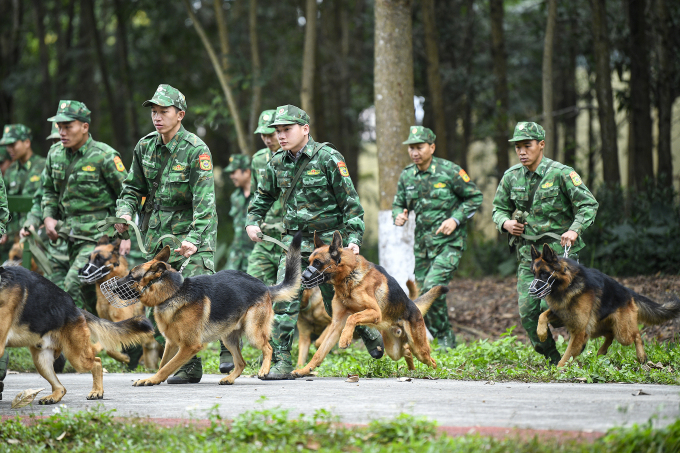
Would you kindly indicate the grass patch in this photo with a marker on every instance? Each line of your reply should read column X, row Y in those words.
column 276, row 430
column 502, row 360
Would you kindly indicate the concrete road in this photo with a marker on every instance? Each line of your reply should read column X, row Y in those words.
column 573, row 407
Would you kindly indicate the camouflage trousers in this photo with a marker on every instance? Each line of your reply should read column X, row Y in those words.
column 239, row 252
column 83, row 295
column 57, row 253
column 431, row 272
column 263, row 263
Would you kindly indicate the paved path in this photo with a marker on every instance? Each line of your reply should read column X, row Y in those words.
column 574, row 407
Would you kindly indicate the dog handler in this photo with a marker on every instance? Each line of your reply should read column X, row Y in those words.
column 317, row 194
column 173, row 169
column 443, row 199
column 4, row 218
column 540, row 201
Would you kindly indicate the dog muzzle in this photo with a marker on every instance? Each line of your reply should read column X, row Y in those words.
column 92, row 273
column 120, row 294
column 312, row 277
column 541, row 288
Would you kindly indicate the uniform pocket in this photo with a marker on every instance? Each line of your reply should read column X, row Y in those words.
column 150, row 169
column 58, row 174
column 178, row 176
column 87, row 176
column 314, row 181
column 283, row 179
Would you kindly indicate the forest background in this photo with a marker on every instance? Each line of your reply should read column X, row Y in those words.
column 602, row 76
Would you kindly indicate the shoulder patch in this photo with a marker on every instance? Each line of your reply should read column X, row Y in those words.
column 119, row 164
column 464, row 175
column 575, row 178
column 343, row 169
column 35, row 178
column 204, row 162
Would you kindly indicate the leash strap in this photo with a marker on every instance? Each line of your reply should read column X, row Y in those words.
column 264, row 237
column 288, row 193
column 36, row 245
column 104, row 225
column 148, row 204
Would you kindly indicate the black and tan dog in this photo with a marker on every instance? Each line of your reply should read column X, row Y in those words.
column 365, row 294
column 104, row 264
column 592, row 304
column 312, row 320
column 194, row 311
column 37, row 314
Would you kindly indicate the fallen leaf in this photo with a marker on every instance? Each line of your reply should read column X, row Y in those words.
column 489, row 383
column 313, row 445
column 25, row 398
column 12, row 372
column 218, row 397
column 61, row 436
column 353, row 378
column 104, row 370
column 581, row 379
column 640, row 392
column 13, row 441
column 658, row 365
column 314, row 373
column 404, row 379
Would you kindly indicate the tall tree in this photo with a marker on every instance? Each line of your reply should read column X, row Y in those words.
column 569, row 96
column 394, row 113
column 605, row 99
column 309, row 60
column 11, row 17
column 221, row 67
column 46, row 85
column 665, row 95
column 256, row 99
column 500, row 85
column 548, row 94
column 132, row 126
column 640, row 103
column 434, row 79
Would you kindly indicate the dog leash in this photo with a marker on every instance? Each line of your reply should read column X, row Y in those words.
column 264, row 237
column 36, row 246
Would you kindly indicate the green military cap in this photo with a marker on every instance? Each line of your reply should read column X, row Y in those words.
column 527, row 130
column 289, row 114
column 263, row 123
column 238, row 162
column 165, row 96
column 4, row 154
column 419, row 134
column 55, row 133
column 14, row 132
column 70, row 111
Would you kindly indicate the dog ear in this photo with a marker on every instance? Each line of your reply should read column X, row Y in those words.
column 534, row 253
column 549, row 254
column 336, row 246
column 163, row 255
column 116, row 246
column 318, row 243
column 103, row 240
column 160, row 266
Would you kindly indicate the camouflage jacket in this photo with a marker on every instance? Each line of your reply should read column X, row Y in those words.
column 273, row 222
column 91, row 189
column 323, row 198
column 187, row 180
column 23, row 179
column 238, row 213
column 34, row 218
column 441, row 192
column 4, row 212
column 561, row 203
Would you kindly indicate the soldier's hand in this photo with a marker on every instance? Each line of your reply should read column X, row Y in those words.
column 447, row 227
column 123, row 227
column 568, row 238
column 26, row 231
column 401, row 218
column 353, row 247
column 124, row 248
column 514, row 227
column 51, row 228
column 3, row 239
column 252, row 231
column 186, row 249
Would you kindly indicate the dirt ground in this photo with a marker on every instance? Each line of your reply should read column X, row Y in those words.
column 486, row 308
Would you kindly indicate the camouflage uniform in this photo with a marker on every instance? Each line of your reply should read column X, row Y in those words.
column 241, row 245
column 441, row 192
column 561, row 203
column 89, row 197
column 4, row 218
column 264, row 259
column 184, row 203
column 324, row 200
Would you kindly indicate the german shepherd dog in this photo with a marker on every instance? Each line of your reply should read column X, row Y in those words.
column 365, row 294
column 312, row 320
column 194, row 311
column 106, row 263
column 592, row 304
column 36, row 313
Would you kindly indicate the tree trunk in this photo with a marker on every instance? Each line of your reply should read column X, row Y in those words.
column 434, row 79
column 570, row 97
column 548, row 102
column 222, row 75
column 126, row 86
column 256, row 100
column 500, row 86
column 309, row 61
column 10, row 45
column 640, row 103
column 591, row 134
column 394, row 113
column 605, row 100
column 88, row 91
column 46, row 86
column 665, row 95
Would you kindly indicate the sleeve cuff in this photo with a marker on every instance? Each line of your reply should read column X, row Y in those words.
column 49, row 212
column 194, row 239
column 576, row 227
column 500, row 223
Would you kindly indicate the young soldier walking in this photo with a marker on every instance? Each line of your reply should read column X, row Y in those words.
column 173, row 169
column 317, row 194
column 443, row 199
column 540, row 201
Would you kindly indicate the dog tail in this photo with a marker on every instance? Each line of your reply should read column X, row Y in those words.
column 112, row 335
column 651, row 313
column 425, row 301
column 290, row 286
column 413, row 291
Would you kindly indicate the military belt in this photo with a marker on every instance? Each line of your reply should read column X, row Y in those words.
column 182, row 207
column 307, row 234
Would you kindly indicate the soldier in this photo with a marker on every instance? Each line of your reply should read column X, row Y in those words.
column 264, row 259
column 239, row 173
column 82, row 180
column 540, row 201
column 173, row 169
column 4, row 218
column 443, row 199
column 5, row 159
column 317, row 194
column 23, row 175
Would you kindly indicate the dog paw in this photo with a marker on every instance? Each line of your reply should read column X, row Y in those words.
column 226, row 381
column 542, row 333
column 300, row 373
column 144, row 383
column 344, row 343
column 47, row 400
column 95, row 395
